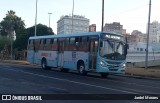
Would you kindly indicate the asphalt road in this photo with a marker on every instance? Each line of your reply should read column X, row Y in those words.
column 28, row 79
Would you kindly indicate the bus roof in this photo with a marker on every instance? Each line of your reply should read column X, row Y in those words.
column 75, row 34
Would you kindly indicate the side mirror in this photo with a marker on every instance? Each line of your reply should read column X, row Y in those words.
column 126, row 47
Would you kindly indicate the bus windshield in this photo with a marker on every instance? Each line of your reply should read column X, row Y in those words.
column 112, row 49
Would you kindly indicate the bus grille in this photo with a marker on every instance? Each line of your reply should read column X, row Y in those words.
column 110, row 62
column 113, row 69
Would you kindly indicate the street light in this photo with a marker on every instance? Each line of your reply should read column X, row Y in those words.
column 36, row 20
column 49, row 18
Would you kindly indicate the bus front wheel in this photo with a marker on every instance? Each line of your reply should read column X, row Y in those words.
column 81, row 69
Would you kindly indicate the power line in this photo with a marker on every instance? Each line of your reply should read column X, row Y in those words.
column 133, row 9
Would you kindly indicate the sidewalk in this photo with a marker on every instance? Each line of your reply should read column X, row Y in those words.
column 151, row 72
column 15, row 62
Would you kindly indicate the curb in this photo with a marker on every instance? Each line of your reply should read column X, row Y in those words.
column 16, row 62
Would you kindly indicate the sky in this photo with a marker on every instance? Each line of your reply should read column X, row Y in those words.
column 132, row 14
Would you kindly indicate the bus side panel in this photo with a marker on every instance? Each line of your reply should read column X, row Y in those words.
column 52, row 59
column 30, row 56
column 50, row 56
column 71, row 58
column 69, row 61
column 84, row 56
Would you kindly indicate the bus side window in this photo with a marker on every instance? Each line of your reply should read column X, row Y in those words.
column 47, row 45
column 77, row 41
column 44, row 41
column 84, row 43
column 54, row 44
column 44, row 44
column 72, row 44
column 30, row 45
column 41, row 44
column 37, row 43
column 72, row 40
column 66, row 44
column 94, row 45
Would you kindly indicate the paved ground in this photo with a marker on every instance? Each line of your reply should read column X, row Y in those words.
column 31, row 79
column 151, row 72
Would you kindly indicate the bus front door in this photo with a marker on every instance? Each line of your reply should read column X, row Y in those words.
column 93, row 53
column 60, row 53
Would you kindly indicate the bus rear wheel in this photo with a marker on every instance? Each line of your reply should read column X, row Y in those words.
column 104, row 75
column 44, row 65
column 81, row 69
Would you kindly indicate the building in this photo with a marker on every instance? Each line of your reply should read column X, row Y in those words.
column 154, row 32
column 113, row 27
column 68, row 24
column 136, row 41
column 92, row 28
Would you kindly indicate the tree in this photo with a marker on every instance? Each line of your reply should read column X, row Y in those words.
column 11, row 23
column 4, row 41
column 41, row 30
column 22, row 40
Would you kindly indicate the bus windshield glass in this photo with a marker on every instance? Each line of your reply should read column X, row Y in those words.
column 112, row 49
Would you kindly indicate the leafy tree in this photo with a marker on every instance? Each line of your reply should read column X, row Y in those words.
column 11, row 23
column 4, row 41
column 41, row 30
column 22, row 40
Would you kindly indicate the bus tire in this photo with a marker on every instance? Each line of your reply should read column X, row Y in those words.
column 81, row 68
column 104, row 75
column 44, row 65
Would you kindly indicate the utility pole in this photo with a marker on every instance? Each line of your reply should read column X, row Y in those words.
column 72, row 15
column 11, row 45
column 149, row 15
column 102, row 15
column 49, row 18
column 36, row 20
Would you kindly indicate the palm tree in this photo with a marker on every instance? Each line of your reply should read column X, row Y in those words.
column 11, row 23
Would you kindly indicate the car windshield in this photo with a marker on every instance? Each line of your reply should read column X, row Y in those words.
column 112, row 49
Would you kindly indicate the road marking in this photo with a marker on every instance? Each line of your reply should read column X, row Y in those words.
column 81, row 83
column 128, row 83
column 135, row 90
column 116, row 81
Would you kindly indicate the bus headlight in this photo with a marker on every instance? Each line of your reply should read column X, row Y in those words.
column 102, row 63
column 124, row 65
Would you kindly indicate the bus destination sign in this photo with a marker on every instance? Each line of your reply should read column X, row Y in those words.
column 109, row 36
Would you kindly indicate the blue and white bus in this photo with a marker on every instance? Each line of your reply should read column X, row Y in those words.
column 101, row 52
